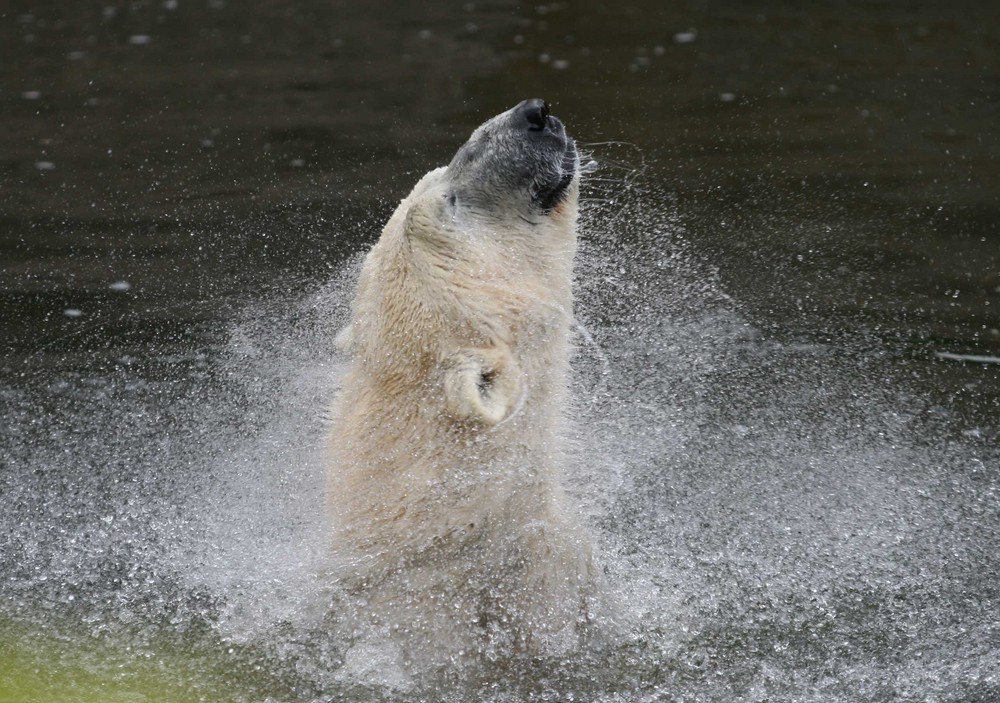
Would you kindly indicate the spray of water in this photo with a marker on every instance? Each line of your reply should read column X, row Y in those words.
column 779, row 519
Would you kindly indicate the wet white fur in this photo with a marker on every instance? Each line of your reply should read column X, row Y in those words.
column 451, row 527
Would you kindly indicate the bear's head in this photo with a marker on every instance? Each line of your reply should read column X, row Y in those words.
column 474, row 269
column 521, row 160
column 517, row 174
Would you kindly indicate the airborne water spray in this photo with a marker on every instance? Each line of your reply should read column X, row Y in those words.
column 786, row 519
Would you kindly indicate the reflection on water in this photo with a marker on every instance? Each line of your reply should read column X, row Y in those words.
column 799, row 499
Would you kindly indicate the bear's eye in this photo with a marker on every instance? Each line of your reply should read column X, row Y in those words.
column 452, row 200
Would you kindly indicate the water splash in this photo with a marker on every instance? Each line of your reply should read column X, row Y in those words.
column 786, row 519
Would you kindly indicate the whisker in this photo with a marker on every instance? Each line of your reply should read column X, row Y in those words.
column 610, row 143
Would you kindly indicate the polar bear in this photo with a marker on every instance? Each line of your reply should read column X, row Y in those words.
column 452, row 530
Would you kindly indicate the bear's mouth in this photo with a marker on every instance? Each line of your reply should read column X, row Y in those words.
column 549, row 197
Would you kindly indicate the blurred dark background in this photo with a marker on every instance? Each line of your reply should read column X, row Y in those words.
column 163, row 163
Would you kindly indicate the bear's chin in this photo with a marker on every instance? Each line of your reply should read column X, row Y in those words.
column 547, row 199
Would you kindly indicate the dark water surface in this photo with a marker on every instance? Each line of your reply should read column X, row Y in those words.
column 797, row 214
column 838, row 164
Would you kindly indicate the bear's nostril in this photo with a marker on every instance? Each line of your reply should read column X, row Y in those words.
column 537, row 113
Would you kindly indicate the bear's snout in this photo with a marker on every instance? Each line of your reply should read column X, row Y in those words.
column 536, row 111
column 539, row 117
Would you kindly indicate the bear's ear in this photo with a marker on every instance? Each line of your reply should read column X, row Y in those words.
column 427, row 217
column 483, row 386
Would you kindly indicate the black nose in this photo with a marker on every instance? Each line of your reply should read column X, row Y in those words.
column 536, row 111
